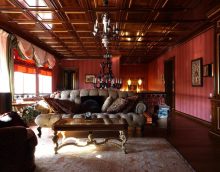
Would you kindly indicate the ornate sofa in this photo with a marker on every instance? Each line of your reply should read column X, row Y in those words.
column 135, row 117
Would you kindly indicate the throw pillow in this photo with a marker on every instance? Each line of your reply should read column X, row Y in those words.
column 91, row 104
column 117, row 106
column 132, row 102
column 53, row 105
column 12, row 119
column 67, row 106
column 42, row 107
column 108, row 101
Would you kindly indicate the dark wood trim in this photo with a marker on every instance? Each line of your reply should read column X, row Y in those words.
column 193, row 118
column 174, row 80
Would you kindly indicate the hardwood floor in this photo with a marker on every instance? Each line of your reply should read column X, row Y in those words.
column 193, row 141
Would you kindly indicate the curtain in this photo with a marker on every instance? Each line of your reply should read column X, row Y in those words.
column 29, row 51
column 25, row 48
column 45, row 72
column 11, row 45
column 51, row 60
column 24, row 69
column 40, row 56
column 4, row 70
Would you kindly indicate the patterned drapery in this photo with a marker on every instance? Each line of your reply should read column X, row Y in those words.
column 30, row 51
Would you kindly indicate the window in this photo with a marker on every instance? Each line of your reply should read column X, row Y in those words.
column 45, row 82
column 24, row 80
column 26, row 84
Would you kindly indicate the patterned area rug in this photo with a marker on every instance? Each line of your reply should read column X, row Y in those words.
column 144, row 154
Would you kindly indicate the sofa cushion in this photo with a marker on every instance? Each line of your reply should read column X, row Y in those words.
column 108, row 101
column 65, row 95
column 103, row 92
column 131, row 93
column 113, row 93
column 93, row 92
column 132, row 102
column 122, row 94
column 74, row 94
column 84, row 92
column 117, row 106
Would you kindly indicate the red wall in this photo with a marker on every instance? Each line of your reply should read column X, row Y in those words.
column 90, row 67
column 188, row 99
column 55, row 76
column 134, row 72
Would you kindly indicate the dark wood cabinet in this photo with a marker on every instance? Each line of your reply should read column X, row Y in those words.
column 215, row 127
column 214, row 17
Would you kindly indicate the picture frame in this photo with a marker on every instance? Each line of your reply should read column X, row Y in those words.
column 89, row 78
column 208, row 70
column 196, row 72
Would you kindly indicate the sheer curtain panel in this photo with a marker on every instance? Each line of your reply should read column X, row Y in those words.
column 4, row 71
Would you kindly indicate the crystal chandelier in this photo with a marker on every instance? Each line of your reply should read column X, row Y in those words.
column 108, row 31
column 105, row 78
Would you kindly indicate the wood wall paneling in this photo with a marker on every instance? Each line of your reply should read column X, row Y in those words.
column 134, row 72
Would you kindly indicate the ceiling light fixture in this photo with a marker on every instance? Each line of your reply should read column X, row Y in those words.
column 105, row 78
column 109, row 31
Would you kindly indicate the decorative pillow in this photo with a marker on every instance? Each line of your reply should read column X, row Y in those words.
column 11, row 119
column 117, row 106
column 132, row 102
column 108, row 101
column 67, row 106
column 53, row 105
column 91, row 104
column 42, row 107
column 62, row 106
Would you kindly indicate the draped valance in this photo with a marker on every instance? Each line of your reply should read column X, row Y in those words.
column 29, row 51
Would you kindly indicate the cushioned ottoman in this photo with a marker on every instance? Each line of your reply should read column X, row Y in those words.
column 46, row 120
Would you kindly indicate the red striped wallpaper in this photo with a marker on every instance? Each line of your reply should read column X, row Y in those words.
column 190, row 100
column 90, row 67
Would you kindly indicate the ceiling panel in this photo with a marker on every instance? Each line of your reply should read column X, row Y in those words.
column 64, row 27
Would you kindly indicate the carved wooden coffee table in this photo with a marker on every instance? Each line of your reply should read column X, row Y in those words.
column 97, row 124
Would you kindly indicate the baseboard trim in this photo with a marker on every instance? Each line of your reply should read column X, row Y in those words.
column 213, row 134
column 193, row 118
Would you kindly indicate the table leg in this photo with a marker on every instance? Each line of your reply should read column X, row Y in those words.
column 55, row 140
column 123, row 138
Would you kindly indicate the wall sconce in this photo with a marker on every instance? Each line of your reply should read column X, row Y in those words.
column 129, row 82
column 139, row 81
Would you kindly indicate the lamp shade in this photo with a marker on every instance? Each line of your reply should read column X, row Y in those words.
column 5, row 102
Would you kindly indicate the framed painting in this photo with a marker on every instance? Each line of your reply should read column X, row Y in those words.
column 197, row 72
column 89, row 78
column 208, row 70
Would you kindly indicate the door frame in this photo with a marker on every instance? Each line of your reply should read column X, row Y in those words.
column 174, row 81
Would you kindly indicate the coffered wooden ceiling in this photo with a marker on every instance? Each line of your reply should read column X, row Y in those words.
column 64, row 27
